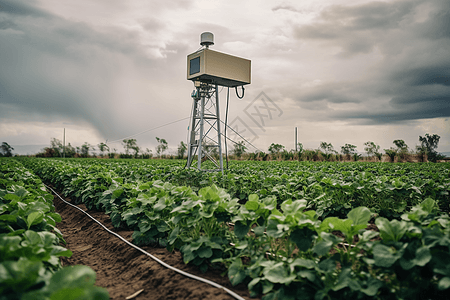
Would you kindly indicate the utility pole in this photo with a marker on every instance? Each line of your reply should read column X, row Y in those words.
column 296, row 139
column 64, row 143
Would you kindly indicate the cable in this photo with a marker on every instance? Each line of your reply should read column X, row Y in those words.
column 240, row 137
column 151, row 256
column 243, row 92
column 119, row 140
column 187, row 135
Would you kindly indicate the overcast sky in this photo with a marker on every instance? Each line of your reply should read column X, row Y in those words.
column 341, row 71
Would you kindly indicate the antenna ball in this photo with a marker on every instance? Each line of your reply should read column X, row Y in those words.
column 207, row 39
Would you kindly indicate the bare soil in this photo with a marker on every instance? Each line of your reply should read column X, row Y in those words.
column 123, row 270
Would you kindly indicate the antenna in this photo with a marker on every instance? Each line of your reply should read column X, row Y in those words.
column 207, row 39
column 208, row 69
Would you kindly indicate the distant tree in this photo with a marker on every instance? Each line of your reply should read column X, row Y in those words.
column 300, row 150
column 6, row 149
column 392, row 153
column 348, row 149
column 181, row 150
column 85, row 149
column 356, row 156
column 429, row 143
column 402, row 148
column 239, row 149
column 57, row 147
column 136, row 150
column 275, row 148
column 70, row 151
column 400, row 144
column 163, row 145
column 130, row 144
column 112, row 154
column 328, row 150
column 103, row 147
column 373, row 149
column 147, row 154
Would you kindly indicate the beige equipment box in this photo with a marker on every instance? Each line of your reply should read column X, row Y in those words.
column 218, row 68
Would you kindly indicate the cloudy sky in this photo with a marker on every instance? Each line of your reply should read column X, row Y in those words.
column 340, row 71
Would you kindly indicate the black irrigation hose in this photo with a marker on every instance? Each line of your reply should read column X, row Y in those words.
column 243, row 92
column 151, row 256
column 226, row 121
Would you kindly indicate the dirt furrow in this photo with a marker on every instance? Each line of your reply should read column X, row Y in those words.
column 123, row 270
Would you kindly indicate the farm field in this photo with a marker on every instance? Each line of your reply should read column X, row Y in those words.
column 285, row 230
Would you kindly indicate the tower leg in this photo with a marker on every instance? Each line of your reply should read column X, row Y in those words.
column 205, row 136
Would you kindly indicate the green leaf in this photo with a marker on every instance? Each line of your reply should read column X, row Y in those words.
column 259, row 230
column 9, row 218
column 11, row 197
column 254, row 282
column 267, row 286
column 386, row 256
column 324, row 246
column 252, row 205
column 21, row 193
column 34, row 218
column 428, row 205
column 278, row 273
column 444, row 283
column 303, row 238
column 359, row 215
column 301, row 262
column 33, row 237
column 72, row 277
column 241, row 229
column 19, row 275
column 117, row 193
column 328, row 265
column 392, row 230
column 253, row 197
column 343, row 279
column 162, row 226
column 204, row 252
column 236, row 272
column 372, row 287
column 144, row 226
column 423, row 256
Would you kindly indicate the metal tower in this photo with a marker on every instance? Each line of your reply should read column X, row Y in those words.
column 209, row 69
column 205, row 136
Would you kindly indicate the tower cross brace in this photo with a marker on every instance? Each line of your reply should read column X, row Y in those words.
column 205, row 136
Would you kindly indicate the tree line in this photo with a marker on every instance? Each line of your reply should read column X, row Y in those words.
column 425, row 151
column 130, row 150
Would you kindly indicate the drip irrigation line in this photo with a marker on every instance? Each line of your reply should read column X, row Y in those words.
column 151, row 256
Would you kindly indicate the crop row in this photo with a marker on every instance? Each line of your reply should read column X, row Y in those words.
column 331, row 189
column 30, row 267
column 282, row 249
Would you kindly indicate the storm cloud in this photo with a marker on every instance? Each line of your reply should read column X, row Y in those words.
column 113, row 69
column 410, row 79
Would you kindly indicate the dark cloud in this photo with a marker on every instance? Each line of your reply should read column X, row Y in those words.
column 423, row 75
column 331, row 93
column 23, row 8
column 355, row 29
column 410, row 82
column 397, row 114
column 437, row 25
column 55, row 69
